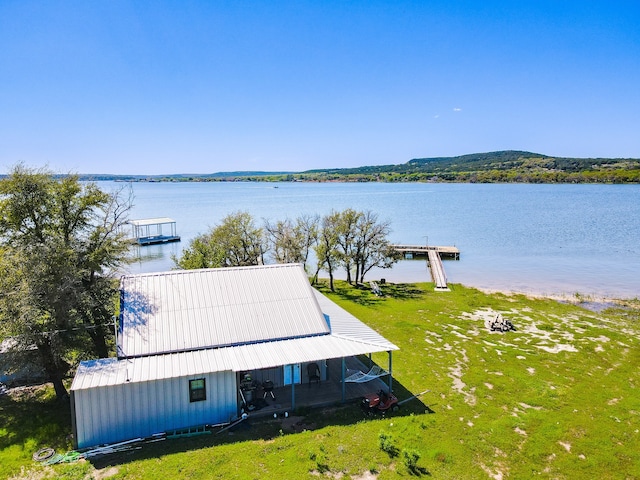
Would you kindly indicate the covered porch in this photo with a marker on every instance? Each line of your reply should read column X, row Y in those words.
column 327, row 391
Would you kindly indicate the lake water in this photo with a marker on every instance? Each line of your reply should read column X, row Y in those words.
column 549, row 239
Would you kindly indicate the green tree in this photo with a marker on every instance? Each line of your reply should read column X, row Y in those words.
column 372, row 246
column 235, row 242
column 291, row 242
column 346, row 229
column 202, row 252
column 353, row 239
column 326, row 250
column 61, row 243
column 308, row 226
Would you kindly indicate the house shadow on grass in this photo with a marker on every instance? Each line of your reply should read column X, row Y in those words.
column 266, row 428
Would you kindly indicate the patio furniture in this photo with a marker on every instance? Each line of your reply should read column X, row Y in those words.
column 361, row 377
column 267, row 387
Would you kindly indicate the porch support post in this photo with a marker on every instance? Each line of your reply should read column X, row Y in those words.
column 293, row 390
column 344, row 384
column 390, row 370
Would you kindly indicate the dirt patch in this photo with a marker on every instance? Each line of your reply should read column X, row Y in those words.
column 497, row 475
column 567, row 446
column 560, row 337
column 296, row 424
column 365, row 476
column 27, row 392
column 105, row 473
column 525, row 406
column 549, row 339
column 558, row 348
column 456, row 375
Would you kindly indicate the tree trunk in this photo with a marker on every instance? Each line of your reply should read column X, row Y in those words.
column 61, row 391
column 330, row 270
column 53, row 369
column 98, row 337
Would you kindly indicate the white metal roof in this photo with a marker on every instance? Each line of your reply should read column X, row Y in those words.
column 348, row 336
column 111, row 371
column 346, row 326
column 194, row 309
column 151, row 221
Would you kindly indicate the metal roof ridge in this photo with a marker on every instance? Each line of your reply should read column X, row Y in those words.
column 204, row 270
column 226, row 345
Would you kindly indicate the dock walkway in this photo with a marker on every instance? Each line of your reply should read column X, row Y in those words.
column 437, row 271
column 434, row 255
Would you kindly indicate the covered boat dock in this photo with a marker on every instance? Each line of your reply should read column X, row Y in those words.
column 150, row 231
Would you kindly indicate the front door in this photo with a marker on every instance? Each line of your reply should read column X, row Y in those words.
column 287, row 374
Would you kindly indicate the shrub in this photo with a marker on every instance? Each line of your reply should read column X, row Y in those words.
column 387, row 444
column 410, row 458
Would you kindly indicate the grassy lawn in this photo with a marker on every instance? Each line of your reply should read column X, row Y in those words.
column 557, row 398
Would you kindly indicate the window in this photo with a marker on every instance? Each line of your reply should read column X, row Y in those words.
column 197, row 390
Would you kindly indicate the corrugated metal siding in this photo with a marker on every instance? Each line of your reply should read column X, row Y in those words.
column 186, row 310
column 131, row 410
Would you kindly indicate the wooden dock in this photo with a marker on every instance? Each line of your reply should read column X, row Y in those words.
column 437, row 271
column 410, row 251
column 434, row 256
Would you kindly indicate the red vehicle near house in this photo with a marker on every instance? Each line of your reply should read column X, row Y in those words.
column 380, row 402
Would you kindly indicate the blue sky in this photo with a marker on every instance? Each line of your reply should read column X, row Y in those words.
column 160, row 87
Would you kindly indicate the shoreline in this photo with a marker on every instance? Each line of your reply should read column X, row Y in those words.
column 592, row 302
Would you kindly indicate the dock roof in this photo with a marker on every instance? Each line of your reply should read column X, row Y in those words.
column 142, row 222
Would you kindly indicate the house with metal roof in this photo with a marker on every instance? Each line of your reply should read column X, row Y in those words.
column 200, row 347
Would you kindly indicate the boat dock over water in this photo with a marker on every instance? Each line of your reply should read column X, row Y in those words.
column 150, row 231
column 410, row 251
column 434, row 254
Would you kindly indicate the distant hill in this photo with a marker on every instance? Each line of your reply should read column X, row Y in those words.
column 180, row 177
column 501, row 166
column 491, row 167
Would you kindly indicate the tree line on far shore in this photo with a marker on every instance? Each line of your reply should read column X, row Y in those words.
column 63, row 243
column 507, row 166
